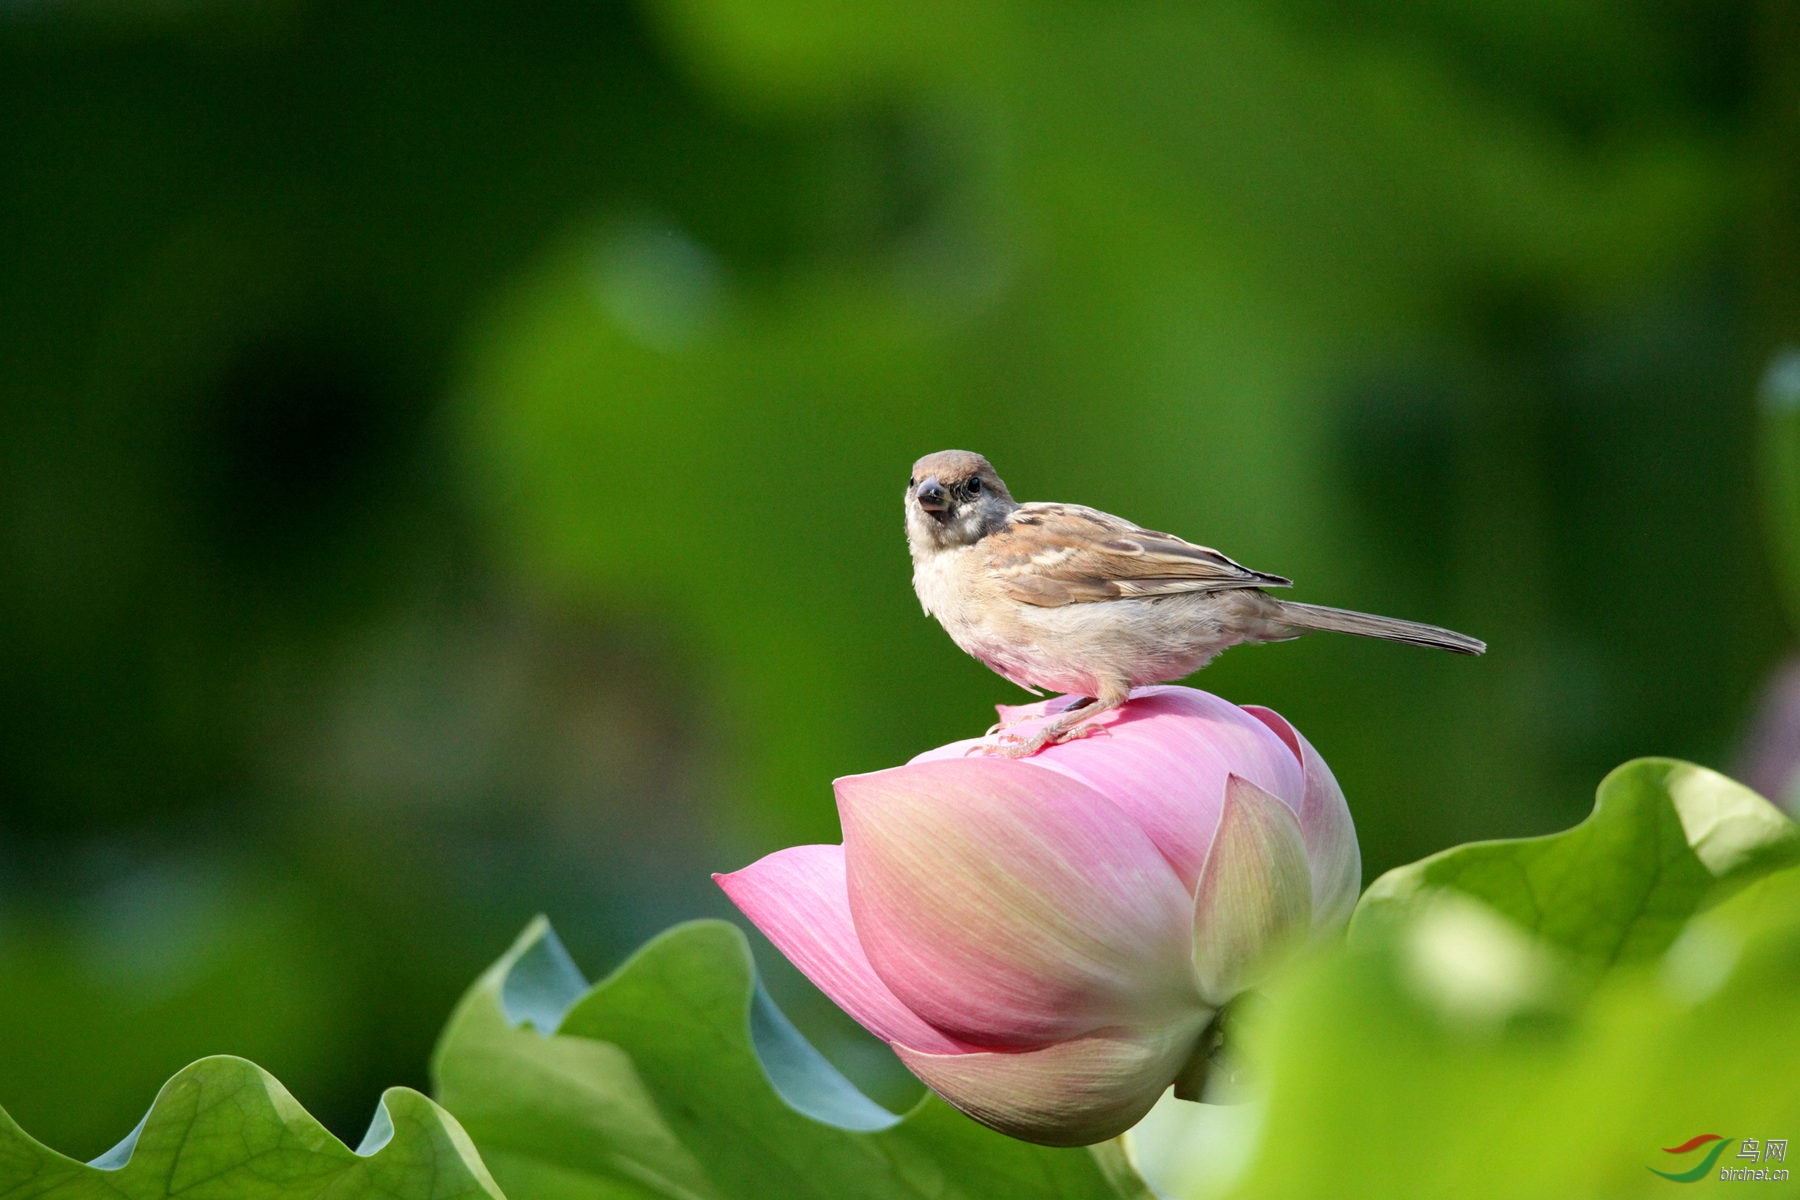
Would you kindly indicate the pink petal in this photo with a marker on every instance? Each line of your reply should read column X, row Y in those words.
column 798, row 899
column 1010, row 715
column 1010, row 906
column 953, row 751
column 1073, row 1093
column 1164, row 758
column 1255, row 894
column 1331, row 848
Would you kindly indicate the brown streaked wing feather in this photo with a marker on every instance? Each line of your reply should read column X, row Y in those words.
column 1055, row 554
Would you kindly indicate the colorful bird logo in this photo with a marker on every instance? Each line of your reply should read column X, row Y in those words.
column 1704, row 1166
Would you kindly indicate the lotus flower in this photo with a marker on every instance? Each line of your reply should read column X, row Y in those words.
column 1045, row 942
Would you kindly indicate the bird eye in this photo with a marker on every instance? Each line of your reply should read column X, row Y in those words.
column 975, row 487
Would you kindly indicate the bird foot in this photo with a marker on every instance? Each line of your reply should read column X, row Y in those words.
column 1006, row 745
column 1010, row 746
column 1003, row 726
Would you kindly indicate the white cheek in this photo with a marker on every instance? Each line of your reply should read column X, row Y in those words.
column 918, row 525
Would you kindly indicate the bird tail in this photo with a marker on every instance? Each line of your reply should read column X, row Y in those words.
column 1307, row 617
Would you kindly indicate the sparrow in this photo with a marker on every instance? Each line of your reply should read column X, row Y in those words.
column 1075, row 600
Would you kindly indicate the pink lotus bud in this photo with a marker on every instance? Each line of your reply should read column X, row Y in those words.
column 1045, row 941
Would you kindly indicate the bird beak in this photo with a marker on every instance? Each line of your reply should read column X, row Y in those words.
column 933, row 498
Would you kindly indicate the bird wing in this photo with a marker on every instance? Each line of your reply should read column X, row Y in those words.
column 1055, row 554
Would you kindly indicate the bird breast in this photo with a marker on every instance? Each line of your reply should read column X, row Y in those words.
column 943, row 578
column 1078, row 648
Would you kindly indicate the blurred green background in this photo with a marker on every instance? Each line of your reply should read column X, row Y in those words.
column 451, row 454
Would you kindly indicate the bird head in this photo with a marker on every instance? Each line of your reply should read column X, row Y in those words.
column 953, row 498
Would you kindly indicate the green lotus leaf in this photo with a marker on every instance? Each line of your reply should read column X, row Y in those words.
column 677, row 1078
column 1380, row 1082
column 224, row 1129
column 1665, row 840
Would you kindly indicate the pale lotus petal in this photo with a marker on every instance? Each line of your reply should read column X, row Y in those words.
column 1074, row 1093
column 1163, row 758
column 953, row 750
column 1010, row 715
column 1254, row 894
column 1331, row 849
column 1011, row 906
column 798, row 899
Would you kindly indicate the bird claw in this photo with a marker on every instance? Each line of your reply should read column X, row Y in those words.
column 1005, row 745
column 1002, row 726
